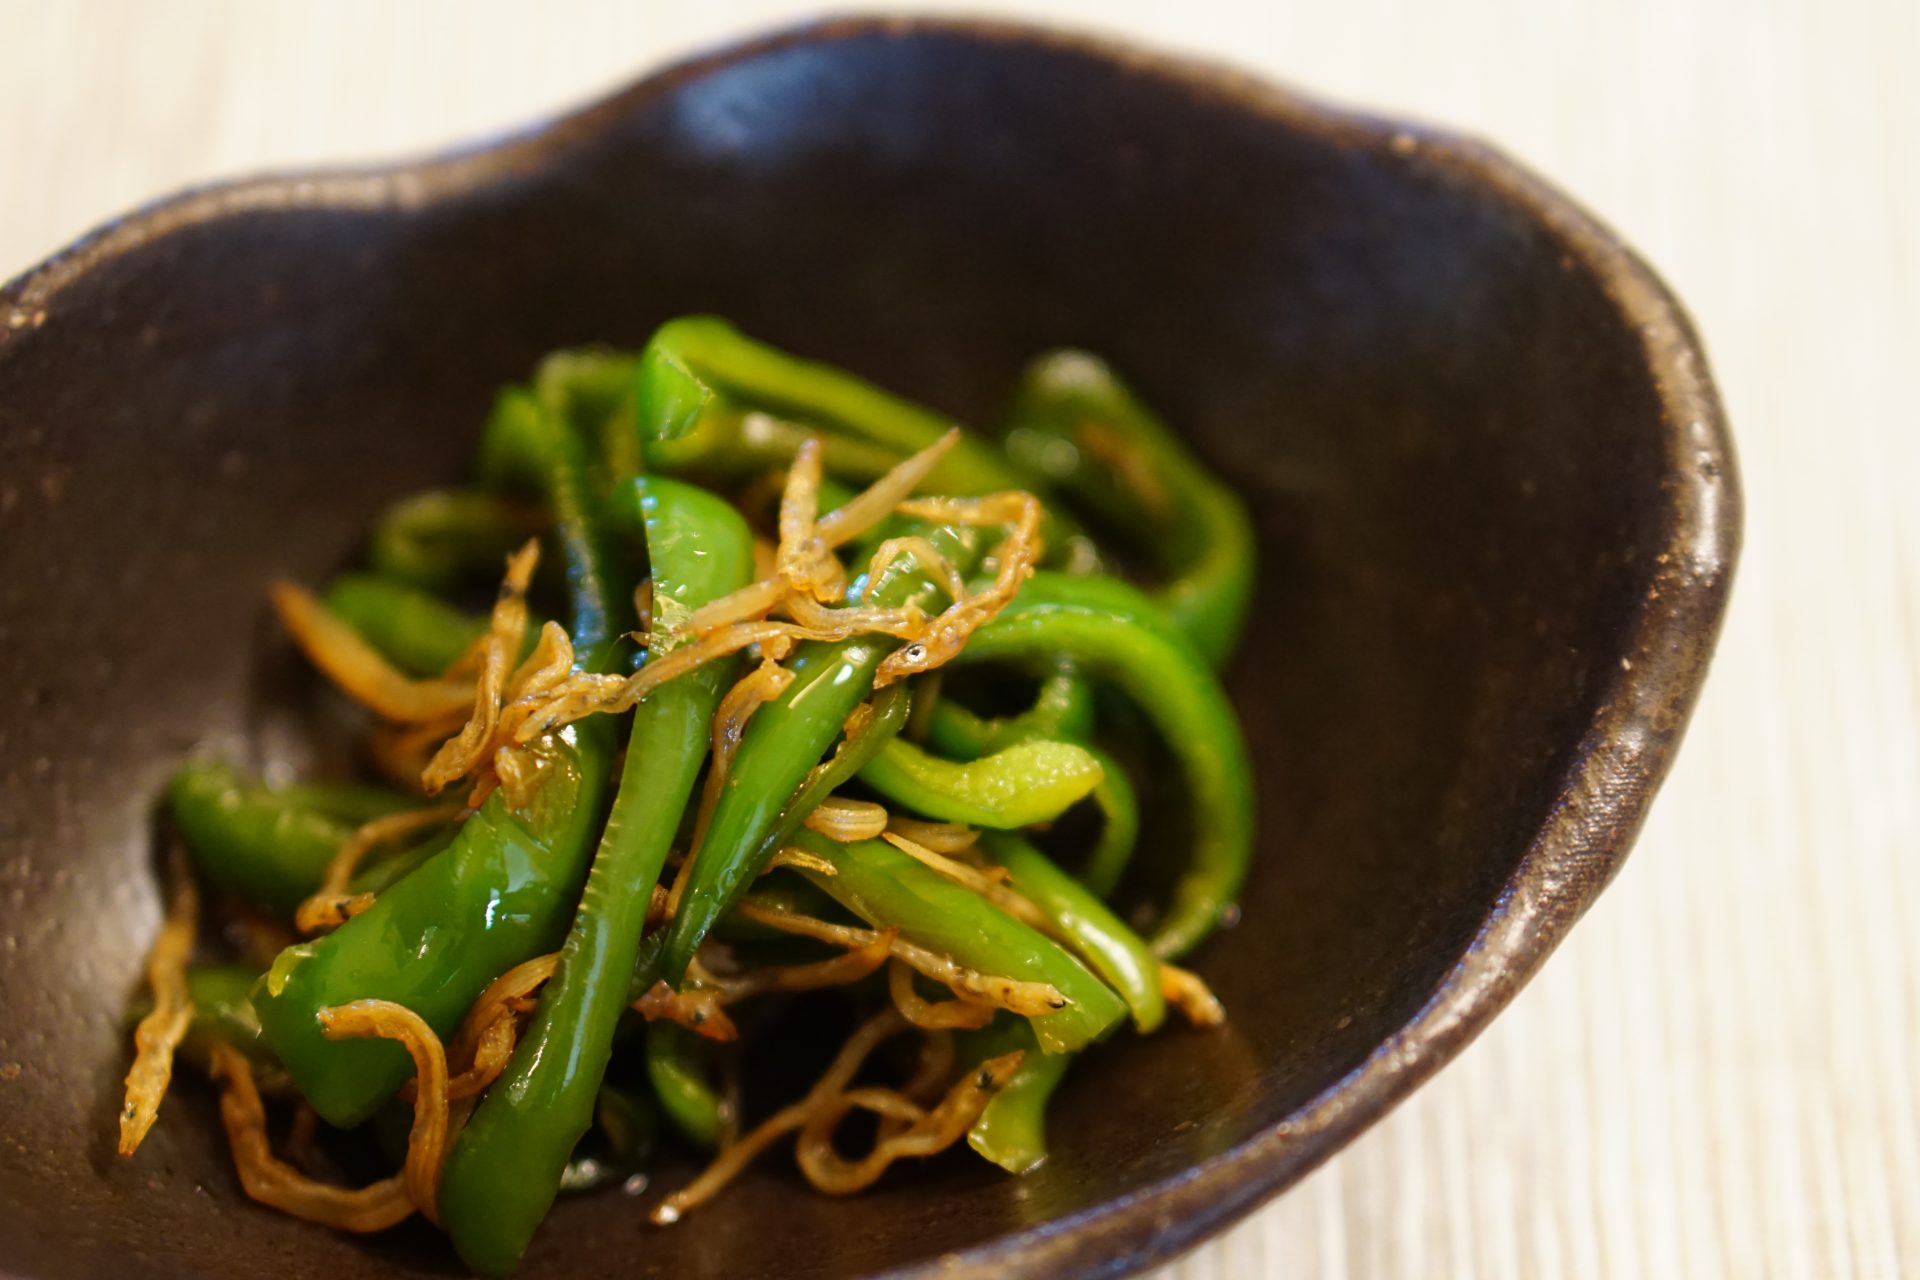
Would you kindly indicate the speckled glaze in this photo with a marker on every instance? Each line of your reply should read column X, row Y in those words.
column 1493, row 484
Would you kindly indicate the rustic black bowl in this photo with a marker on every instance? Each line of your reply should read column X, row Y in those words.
column 1494, row 490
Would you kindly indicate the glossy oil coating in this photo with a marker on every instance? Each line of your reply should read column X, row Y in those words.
column 1494, row 496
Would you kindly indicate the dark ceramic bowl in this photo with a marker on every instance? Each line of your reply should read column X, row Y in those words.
column 1495, row 496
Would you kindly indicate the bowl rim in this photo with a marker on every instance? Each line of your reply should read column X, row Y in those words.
column 1603, row 793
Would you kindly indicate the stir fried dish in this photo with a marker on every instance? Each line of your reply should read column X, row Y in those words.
column 739, row 721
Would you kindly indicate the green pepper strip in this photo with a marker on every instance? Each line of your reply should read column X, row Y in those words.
column 783, row 741
column 1119, row 809
column 1012, row 1131
column 1112, row 631
column 624, row 1126
column 443, row 539
column 600, row 391
column 220, row 1013
column 592, row 389
column 505, row 1170
column 1115, row 952
column 512, row 458
column 890, row 889
column 678, row 1074
column 892, row 707
column 732, row 443
column 392, row 869
column 1017, row 786
column 1195, row 528
column 269, row 848
column 351, row 803
column 694, row 359
column 498, row 895
column 699, row 371
column 782, row 894
column 415, row 630
column 1064, row 709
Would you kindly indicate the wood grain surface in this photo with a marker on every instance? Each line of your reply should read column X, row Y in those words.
column 1716, row 1075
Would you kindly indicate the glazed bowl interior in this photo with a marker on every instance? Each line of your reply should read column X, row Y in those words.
column 1460, row 442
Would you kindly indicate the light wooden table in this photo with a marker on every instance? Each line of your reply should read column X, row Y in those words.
column 1716, row 1076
